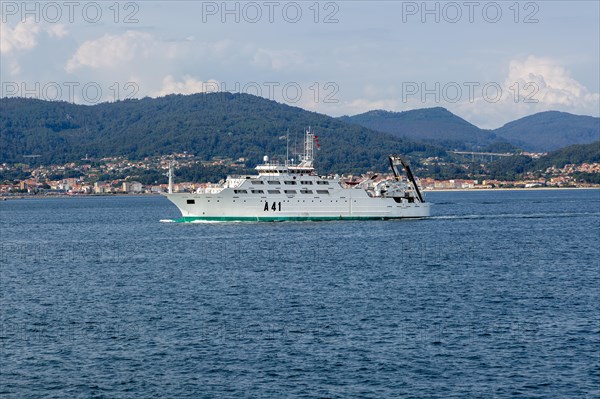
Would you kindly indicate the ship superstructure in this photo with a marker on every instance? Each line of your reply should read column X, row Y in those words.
column 291, row 191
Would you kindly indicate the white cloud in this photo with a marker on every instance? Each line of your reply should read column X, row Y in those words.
column 113, row 50
column 158, row 64
column 188, row 85
column 24, row 36
column 550, row 84
column 372, row 91
column 532, row 85
column 14, row 67
column 338, row 106
column 57, row 30
column 222, row 46
column 277, row 60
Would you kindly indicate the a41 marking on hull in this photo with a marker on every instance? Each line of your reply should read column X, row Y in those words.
column 276, row 207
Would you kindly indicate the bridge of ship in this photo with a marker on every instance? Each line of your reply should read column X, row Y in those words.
column 275, row 170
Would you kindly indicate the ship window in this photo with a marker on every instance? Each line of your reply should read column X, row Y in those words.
column 273, row 182
column 290, row 182
column 322, row 192
column 191, row 202
column 274, row 192
column 240, row 191
column 322, row 182
column 258, row 192
column 306, row 192
column 290, row 191
column 306, row 182
column 257, row 182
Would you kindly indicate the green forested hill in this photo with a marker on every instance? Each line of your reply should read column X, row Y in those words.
column 541, row 132
column 574, row 154
column 207, row 125
column 551, row 130
column 512, row 167
column 437, row 125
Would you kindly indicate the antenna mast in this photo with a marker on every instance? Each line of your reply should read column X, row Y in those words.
column 170, row 177
column 309, row 142
column 287, row 147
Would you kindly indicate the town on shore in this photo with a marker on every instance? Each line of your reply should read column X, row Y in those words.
column 118, row 175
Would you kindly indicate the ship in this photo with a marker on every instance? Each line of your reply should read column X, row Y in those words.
column 292, row 191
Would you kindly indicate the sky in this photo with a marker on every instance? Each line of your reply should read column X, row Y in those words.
column 488, row 62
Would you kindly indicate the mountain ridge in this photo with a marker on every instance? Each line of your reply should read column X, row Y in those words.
column 437, row 125
column 540, row 132
column 551, row 130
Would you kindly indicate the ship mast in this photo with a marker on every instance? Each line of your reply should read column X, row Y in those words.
column 287, row 148
column 309, row 141
column 170, row 177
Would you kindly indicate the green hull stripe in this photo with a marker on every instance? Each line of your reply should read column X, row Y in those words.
column 187, row 219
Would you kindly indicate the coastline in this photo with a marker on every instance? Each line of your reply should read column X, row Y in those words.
column 71, row 196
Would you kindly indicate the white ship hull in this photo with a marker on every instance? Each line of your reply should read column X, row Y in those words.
column 297, row 192
column 339, row 204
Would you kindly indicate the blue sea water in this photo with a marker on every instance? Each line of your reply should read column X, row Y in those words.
column 497, row 295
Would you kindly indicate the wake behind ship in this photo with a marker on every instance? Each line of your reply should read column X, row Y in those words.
column 283, row 192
